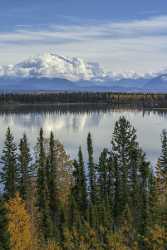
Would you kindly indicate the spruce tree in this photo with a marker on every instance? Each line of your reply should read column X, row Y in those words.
column 117, row 199
column 162, row 169
column 144, row 169
column 103, row 175
column 161, row 196
column 123, row 144
column 104, row 186
column 42, row 190
column 25, row 168
column 52, row 185
column 9, row 173
column 153, row 200
column 52, row 175
column 111, row 183
column 91, row 183
column 75, row 214
column 134, row 187
column 91, row 169
column 80, row 187
column 163, row 156
column 161, row 182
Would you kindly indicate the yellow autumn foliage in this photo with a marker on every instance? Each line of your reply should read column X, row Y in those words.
column 157, row 238
column 20, row 226
column 73, row 240
column 115, row 242
column 64, row 171
column 53, row 246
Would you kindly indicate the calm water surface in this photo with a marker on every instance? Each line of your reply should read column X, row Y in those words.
column 72, row 128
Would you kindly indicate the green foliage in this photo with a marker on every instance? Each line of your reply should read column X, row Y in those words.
column 125, row 155
column 80, row 188
column 153, row 200
column 163, row 156
column 42, row 190
column 9, row 172
column 92, row 183
column 91, row 168
column 144, row 195
column 25, row 168
column 79, row 198
column 105, row 190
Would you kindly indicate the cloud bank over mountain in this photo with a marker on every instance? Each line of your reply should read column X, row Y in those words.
column 50, row 72
column 51, row 65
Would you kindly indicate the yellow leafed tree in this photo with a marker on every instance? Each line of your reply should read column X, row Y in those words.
column 20, row 226
column 156, row 239
column 64, row 170
column 52, row 246
column 115, row 242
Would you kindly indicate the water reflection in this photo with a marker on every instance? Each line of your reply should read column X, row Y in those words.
column 72, row 127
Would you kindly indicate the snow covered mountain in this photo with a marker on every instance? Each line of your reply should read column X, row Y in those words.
column 51, row 72
column 51, row 65
column 54, row 66
column 158, row 83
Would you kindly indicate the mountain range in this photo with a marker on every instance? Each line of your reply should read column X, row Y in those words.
column 51, row 72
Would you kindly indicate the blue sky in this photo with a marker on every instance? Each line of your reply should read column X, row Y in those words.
column 122, row 35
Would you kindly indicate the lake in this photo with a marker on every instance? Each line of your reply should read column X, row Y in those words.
column 72, row 127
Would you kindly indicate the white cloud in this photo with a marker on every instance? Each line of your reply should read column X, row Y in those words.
column 139, row 45
column 53, row 66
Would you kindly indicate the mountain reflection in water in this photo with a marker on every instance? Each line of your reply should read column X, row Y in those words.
column 72, row 126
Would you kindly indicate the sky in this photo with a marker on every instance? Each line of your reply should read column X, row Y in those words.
column 122, row 35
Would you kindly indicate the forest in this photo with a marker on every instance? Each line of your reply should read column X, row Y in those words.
column 140, row 100
column 49, row 201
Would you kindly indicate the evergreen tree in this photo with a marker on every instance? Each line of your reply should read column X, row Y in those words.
column 9, row 173
column 104, row 189
column 4, row 235
column 103, row 176
column 161, row 182
column 53, row 186
column 79, row 191
column 144, row 197
column 161, row 196
column 82, row 185
column 91, row 183
column 117, row 200
column 91, row 169
column 163, row 156
column 134, row 187
column 111, row 181
column 75, row 217
column 42, row 190
column 153, row 200
column 25, row 168
column 123, row 144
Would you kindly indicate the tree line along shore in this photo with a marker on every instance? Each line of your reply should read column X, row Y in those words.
column 147, row 100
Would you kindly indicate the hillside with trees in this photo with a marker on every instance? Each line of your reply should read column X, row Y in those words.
column 49, row 201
